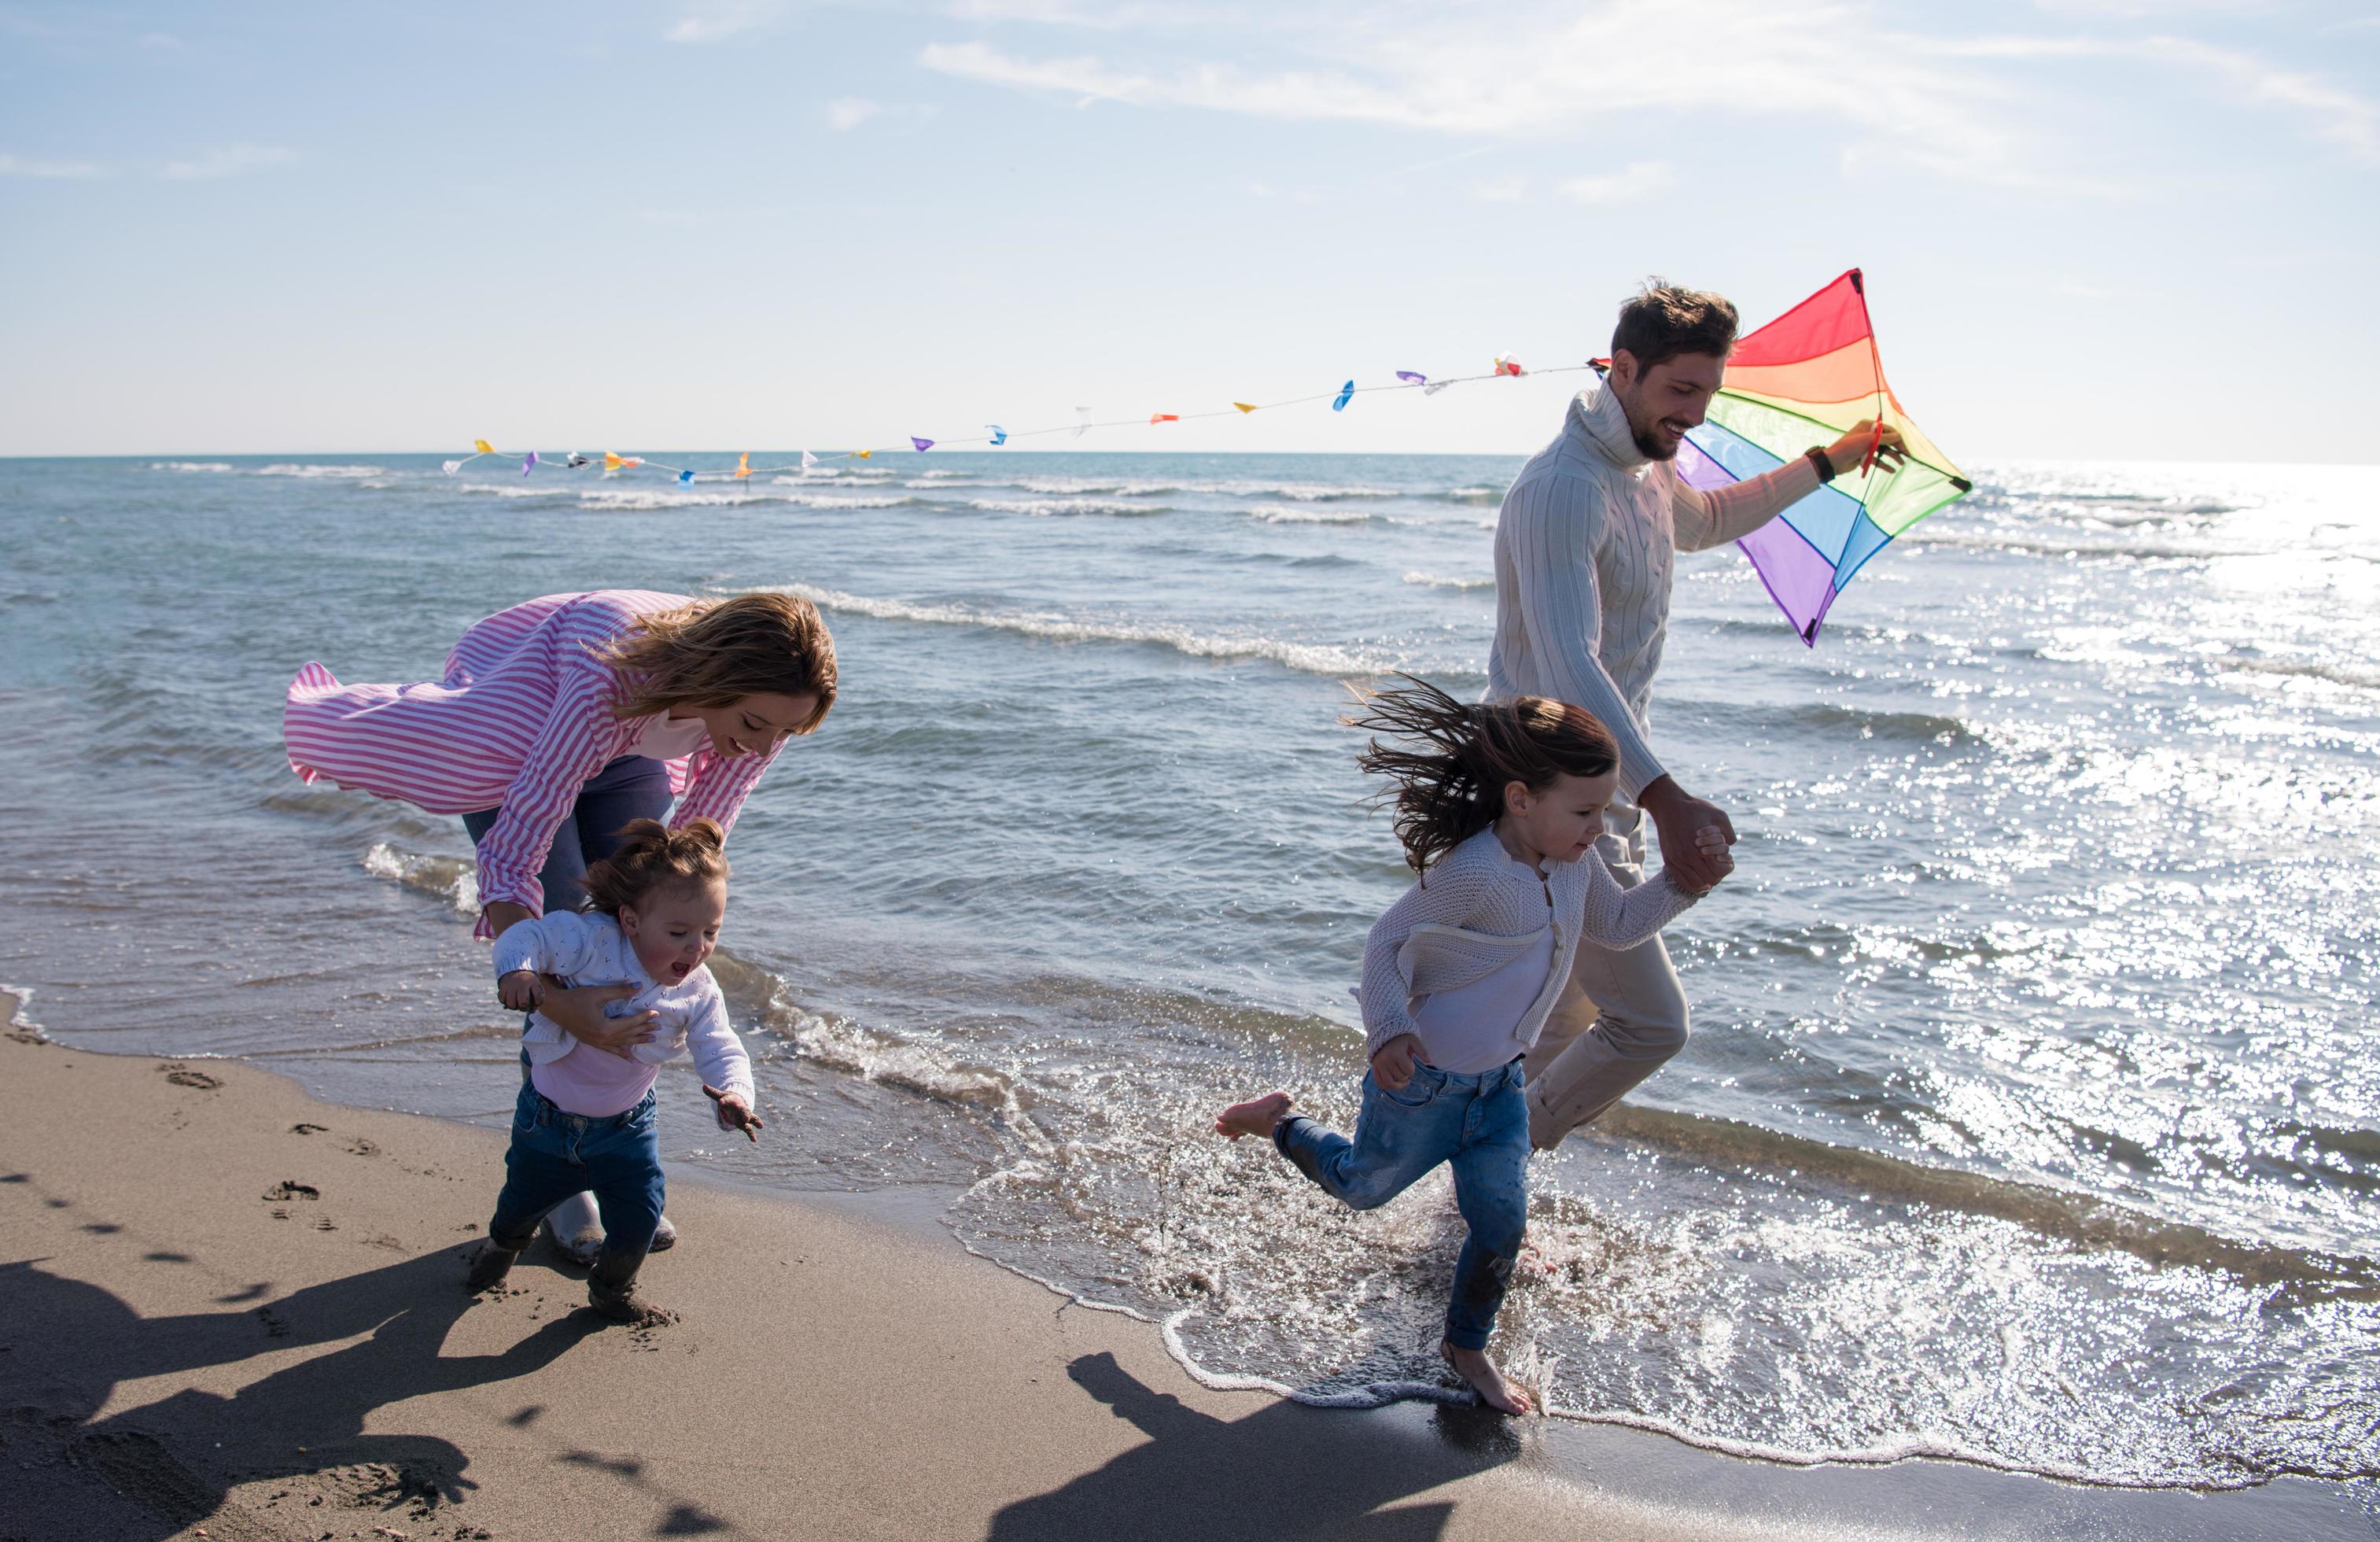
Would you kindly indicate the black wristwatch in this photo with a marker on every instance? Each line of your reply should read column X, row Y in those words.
column 1818, row 458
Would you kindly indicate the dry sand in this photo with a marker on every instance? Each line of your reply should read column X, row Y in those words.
column 230, row 1311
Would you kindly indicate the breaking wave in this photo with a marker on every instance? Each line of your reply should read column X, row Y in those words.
column 1309, row 658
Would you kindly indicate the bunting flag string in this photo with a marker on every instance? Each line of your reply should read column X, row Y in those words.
column 1504, row 367
column 1814, row 370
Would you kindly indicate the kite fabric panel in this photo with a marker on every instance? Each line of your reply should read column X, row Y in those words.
column 1806, row 378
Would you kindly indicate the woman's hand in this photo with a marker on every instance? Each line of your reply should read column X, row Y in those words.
column 504, row 914
column 579, row 1012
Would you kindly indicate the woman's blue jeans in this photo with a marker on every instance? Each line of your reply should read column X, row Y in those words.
column 632, row 787
column 1480, row 1125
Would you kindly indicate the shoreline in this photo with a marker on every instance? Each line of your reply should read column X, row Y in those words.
column 185, row 1352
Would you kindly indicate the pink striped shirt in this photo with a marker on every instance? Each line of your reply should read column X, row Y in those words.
column 522, row 717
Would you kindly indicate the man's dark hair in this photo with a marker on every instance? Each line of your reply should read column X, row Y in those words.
column 1661, row 321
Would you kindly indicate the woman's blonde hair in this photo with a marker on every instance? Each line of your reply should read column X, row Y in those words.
column 714, row 652
column 651, row 855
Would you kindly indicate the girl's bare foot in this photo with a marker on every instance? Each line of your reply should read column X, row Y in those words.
column 1473, row 1366
column 1254, row 1117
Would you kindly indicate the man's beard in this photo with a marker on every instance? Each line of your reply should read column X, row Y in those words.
column 1647, row 446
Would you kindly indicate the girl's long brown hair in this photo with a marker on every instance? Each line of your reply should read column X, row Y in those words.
column 714, row 651
column 1447, row 778
column 651, row 855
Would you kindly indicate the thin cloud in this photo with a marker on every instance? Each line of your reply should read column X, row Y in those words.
column 1511, row 187
column 45, row 169
column 2332, row 113
column 232, row 160
column 717, row 20
column 846, row 114
column 1542, row 73
column 1636, row 180
column 1899, row 98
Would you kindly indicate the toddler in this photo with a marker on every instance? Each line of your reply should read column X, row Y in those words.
column 584, row 1120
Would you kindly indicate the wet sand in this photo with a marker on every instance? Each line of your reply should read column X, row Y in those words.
column 234, row 1311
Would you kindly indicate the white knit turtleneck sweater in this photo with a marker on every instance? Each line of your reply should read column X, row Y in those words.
column 1583, row 558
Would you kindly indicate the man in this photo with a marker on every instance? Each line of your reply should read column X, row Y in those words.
column 1584, row 548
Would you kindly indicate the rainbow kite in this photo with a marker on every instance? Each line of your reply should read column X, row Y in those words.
column 1808, row 377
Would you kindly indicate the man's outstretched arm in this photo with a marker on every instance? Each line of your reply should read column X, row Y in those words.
column 1706, row 518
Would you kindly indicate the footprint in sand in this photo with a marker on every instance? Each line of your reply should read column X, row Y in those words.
column 182, row 1075
column 290, row 1188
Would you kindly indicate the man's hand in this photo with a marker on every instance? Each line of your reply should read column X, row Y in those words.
column 520, row 990
column 1682, row 819
column 735, row 1113
column 580, row 1013
column 1393, row 1066
column 1867, row 439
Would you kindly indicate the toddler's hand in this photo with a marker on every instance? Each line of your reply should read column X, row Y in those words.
column 1710, row 845
column 1712, row 842
column 735, row 1113
column 520, row 990
column 1392, row 1066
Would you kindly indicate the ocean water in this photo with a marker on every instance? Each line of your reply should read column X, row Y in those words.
column 2033, row 1113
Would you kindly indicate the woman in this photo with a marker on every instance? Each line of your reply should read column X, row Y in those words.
column 557, row 722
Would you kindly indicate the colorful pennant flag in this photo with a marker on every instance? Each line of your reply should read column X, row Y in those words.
column 483, row 446
column 683, row 478
column 808, row 460
column 1245, row 407
column 452, row 466
column 1165, row 417
column 578, row 460
column 530, row 465
column 999, row 434
column 744, row 464
column 1347, row 394
column 923, row 445
column 1411, row 378
column 1507, row 365
column 1434, row 387
column 617, row 462
column 861, row 454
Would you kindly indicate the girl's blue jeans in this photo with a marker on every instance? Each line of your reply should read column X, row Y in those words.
column 1480, row 1125
column 555, row 1155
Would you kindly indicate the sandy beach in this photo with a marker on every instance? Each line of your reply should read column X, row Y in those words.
column 235, row 1311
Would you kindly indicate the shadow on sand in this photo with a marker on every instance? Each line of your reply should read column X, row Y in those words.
column 72, row 1344
column 1284, row 1471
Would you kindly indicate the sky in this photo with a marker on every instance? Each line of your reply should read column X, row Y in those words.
column 2091, row 229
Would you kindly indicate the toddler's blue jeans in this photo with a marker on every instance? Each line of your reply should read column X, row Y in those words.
column 1480, row 1124
column 555, row 1155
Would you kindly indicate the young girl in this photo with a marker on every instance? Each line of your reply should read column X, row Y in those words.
column 1498, row 806
column 584, row 1120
